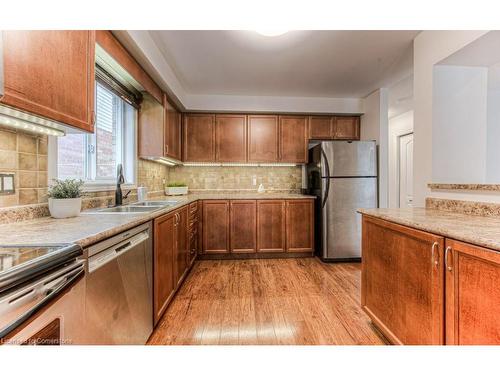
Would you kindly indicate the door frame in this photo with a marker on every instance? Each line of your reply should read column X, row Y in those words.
column 398, row 164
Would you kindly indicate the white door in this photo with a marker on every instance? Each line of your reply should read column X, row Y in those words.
column 406, row 170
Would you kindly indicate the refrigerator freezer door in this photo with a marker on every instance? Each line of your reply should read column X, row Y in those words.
column 341, row 222
column 351, row 158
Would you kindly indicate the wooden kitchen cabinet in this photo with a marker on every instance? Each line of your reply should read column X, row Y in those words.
column 163, row 263
column 321, row 127
column 51, row 74
column 472, row 295
column 300, row 225
column 263, row 138
column 151, row 129
column 243, row 220
column 215, row 226
column 193, row 231
column 402, row 287
column 346, row 127
column 181, row 249
column 293, row 139
column 199, row 137
column 173, row 126
column 271, row 226
column 231, row 138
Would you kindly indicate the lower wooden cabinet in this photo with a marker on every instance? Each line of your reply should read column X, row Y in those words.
column 163, row 260
column 243, row 226
column 300, row 225
column 420, row 288
column 181, row 245
column 271, row 226
column 215, row 226
column 472, row 295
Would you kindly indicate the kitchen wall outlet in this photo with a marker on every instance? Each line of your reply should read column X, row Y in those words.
column 7, row 183
column 254, row 180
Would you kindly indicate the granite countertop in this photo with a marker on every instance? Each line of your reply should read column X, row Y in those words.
column 474, row 229
column 91, row 227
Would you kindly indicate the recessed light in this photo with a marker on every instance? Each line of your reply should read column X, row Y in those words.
column 272, row 32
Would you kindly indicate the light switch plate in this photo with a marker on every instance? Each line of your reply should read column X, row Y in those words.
column 7, row 183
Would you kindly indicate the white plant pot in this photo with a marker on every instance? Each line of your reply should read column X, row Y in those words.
column 178, row 190
column 63, row 208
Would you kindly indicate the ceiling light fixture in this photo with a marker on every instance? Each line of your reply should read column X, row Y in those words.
column 271, row 32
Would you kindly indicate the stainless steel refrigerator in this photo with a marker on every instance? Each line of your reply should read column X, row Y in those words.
column 343, row 175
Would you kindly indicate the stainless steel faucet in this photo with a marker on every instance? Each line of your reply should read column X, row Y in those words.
column 119, row 181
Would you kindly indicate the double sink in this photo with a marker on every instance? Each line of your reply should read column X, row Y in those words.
column 138, row 207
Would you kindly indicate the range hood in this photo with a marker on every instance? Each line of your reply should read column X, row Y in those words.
column 14, row 118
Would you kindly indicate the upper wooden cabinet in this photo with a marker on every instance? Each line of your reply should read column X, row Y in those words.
column 51, row 74
column 263, row 138
column 199, row 137
column 300, row 225
column 172, row 132
column 231, row 138
column 151, row 129
column 346, row 127
column 334, row 127
column 321, row 127
column 402, row 286
column 472, row 295
column 293, row 139
column 215, row 226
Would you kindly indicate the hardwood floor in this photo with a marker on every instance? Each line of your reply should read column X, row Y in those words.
column 268, row 301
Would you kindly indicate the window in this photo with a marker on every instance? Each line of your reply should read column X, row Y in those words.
column 94, row 157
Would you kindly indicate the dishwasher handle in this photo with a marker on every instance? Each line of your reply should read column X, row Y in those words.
column 67, row 280
column 113, row 252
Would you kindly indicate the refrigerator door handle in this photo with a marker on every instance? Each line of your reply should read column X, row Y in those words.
column 327, row 177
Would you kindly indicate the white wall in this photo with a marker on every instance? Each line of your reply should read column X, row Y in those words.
column 398, row 126
column 459, row 124
column 493, row 130
column 429, row 48
column 374, row 126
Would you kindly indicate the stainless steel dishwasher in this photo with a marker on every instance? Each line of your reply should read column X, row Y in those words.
column 119, row 289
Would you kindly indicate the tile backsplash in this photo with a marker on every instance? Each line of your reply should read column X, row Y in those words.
column 25, row 155
column 238, row 178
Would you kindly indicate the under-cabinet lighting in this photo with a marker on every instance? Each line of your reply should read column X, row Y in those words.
column 165, row 161
column 240, row 164
column 29, row 126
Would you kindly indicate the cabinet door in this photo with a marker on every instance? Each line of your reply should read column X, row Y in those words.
column 299, row 225
column 199, row 137
column 472, row 295
column 263, row 138
column 151, row 128
column 402, row 282
column 181, row 245
column 172, row 131
column 215, row 226
column 346, row 127
column 243, row 226
column 270, row 226
column 231, row 138
column 164, row 249
column 51, row 74
column 293, row 139
column 320, row 127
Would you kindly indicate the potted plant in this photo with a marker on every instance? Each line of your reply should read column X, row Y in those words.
column 176, row 188
column 65, row 198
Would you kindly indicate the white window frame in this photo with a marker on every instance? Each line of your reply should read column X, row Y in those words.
column 99, row 185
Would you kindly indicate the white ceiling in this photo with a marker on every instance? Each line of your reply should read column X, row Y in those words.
column 335, row 64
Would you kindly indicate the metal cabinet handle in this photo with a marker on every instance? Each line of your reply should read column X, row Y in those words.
column 448, row 267
column 435, row 262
